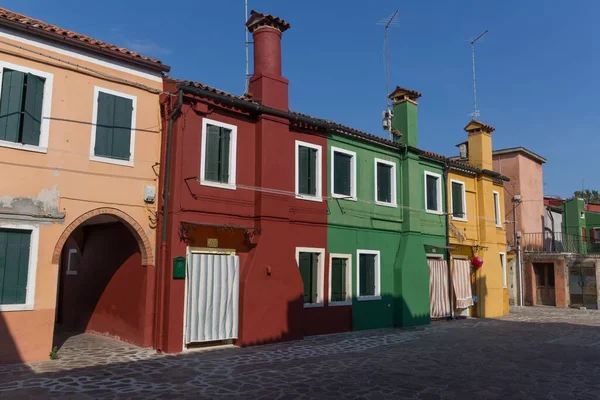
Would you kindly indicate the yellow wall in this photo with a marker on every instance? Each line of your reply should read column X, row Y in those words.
column 64, row 176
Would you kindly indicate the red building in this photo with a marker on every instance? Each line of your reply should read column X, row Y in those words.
column 231, row 185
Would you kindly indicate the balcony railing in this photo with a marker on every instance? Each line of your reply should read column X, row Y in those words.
column 557, row 242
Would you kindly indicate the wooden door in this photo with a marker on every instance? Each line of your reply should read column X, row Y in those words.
column 544, row 282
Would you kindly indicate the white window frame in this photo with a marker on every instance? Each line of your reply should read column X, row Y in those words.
column 320, row 273
column 352, row 174
column 497, row 218
column 108, row 160
column 348, row 258
column 503, row 267
column 319, row 172
column 69, row 255
column 231, row 184
column 32, row 267
column 464, row 200
column 434, row 255
column 42, row 147
column 439, row 211
column 377, row 255
column 582, row 214
column 393, row 186
column 597, row 232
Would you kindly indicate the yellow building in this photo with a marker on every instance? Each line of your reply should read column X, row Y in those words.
column 476, row 221
column 79, row 148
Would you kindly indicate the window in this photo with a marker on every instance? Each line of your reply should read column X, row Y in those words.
column 218, row 154
column 343, row 173
column 18, row 261
column 340, row 288
column 433, row 193
column 113, row 131
column 582, row 214
column 73, row 260
column 595, row 235
column 459, row 200
column 503, row 266
column 497, row 209
column 25, row 99
column 368, row 275
column 385, row 183
column 308, row 171
column 311, row 264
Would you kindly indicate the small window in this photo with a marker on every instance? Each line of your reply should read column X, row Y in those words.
column 18, row 260
column 114, row 127
column 385, row 183
column 21, row 100
column 368, row 275
column 595, row 235
column 308, row 171
column 343, row 174
column 339, row 279
column 497, row 217
column 73, row 262
column 311, row 262
column 433, row 192
column 503, row 266
column 459, row 201
column 218, row 154
column 582, row 214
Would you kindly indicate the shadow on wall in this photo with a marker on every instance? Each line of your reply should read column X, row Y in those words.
column 9, row 353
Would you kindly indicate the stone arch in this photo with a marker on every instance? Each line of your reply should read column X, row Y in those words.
column 136, row 230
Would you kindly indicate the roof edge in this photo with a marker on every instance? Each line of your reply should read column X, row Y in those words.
column 523, row 150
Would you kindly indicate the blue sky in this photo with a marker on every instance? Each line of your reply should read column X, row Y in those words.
column 536, row 69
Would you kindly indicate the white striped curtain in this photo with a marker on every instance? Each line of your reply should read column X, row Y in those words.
column 461, row 280
column 439, row 301
column 212, row 298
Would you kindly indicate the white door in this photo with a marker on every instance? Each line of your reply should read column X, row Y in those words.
column 212, row 297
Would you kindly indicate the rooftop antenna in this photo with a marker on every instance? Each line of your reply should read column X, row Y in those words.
column 475, row 114
column 248, row 42
column 391, row 21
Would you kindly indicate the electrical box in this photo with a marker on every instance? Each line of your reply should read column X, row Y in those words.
column 179, row 268
column 149, row 193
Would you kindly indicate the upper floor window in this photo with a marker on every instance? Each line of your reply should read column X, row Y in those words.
column 343, row 173
column 497, row 216
column 433, row 192
column 25, row 97
column 385, row 183
column 459, row 201
column 113, row 131
column 218, row 158
column 308, row 171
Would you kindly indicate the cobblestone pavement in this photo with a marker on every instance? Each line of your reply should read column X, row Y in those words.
column 543, row 353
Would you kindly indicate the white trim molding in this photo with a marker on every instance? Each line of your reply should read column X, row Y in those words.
column 69, row 256
column 352, row 154
column 231, row 183
column 464, row 200
column 42, row 147
column 503, row 267
column 497, row 213
column 108, row 160
column 318, row 170
column 439, row 192
column 348, row 258
column 377, row 295
column 393, row 189
column 31, row 268
column 320, row 273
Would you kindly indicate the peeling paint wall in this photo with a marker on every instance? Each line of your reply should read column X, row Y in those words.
column 45, row 203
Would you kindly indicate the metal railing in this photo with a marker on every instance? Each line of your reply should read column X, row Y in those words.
column 558, row 242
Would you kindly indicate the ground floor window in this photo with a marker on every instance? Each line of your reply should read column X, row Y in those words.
column 368, row 275
column 18, row 259
column 310, row 261
column 339, row 279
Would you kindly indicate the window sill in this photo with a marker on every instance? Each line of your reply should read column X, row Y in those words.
column 71, row 272
column 498, row 226
column 381, row 203
column 220, row 185
column 24, row 147
column 16, row 307
column 436, row 212
column 313, row 305
column 309, row 198
column 340, row 303
column 343, row 197
column 107, row 160
column 459, row 219
column 368, row 298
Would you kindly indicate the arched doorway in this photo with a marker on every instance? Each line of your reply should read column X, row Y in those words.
column 105, row 286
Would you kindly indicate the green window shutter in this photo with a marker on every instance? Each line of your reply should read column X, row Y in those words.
column 303, row 170
column 32, row 112
column 342, row 165
column 362, row 272
column 384, row 183
column 211, row 153
column 312, row 171
column 307, row 275
column 432, row 197
column 14, row 265
column 314, row 289
column 457, row 200
column 105, row 122
column 367, row 275
column 11, row 100
column 224, row 142
column 338, row 279
column 121, row 140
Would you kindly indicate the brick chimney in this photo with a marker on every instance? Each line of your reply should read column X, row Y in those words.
column 267, row 85
column 480, row 144
column 404, row 119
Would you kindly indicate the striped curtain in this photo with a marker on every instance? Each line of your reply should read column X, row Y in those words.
column 212, row 298
column 439, row 304
column 461, row 280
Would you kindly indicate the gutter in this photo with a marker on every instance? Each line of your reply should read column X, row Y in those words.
column 445, row 170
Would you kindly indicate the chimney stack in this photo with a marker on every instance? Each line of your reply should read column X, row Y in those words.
column 480, row 144
column 267, row 85
column 405, row 115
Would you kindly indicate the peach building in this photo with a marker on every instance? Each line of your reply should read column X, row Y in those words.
column 79, row 150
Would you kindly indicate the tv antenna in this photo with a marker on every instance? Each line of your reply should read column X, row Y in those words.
column 248, row 42
column 391, row 21
column 475, row 114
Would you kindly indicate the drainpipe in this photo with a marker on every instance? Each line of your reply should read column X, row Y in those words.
column 164, row 265
column 448, row 213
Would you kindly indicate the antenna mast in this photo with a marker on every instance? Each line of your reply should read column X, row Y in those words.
column 247, row 45
column 475, row 114
column 388, row 22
